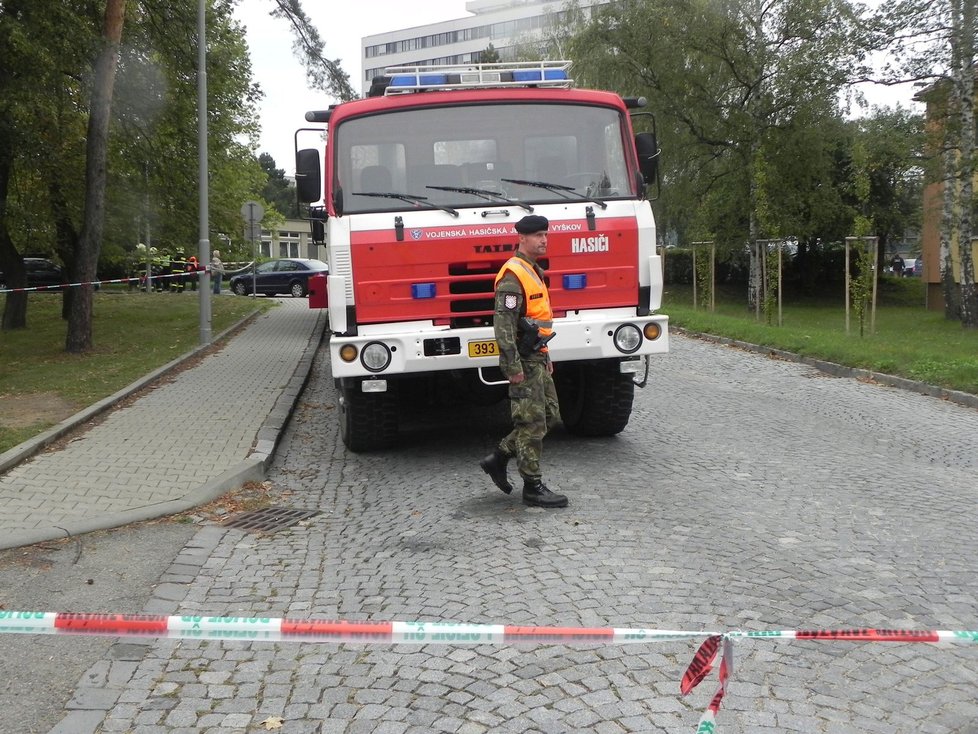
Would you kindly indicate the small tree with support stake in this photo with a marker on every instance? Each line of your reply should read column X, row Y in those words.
column 771, row 264
column 704, row 277
column 861, row 288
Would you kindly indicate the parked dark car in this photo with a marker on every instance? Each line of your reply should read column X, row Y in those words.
column 40, row 272
column 288, row 275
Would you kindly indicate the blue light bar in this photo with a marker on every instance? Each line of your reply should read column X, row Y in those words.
column 536, row 75
column 422, row 290
column 422, row 80
column 429, row 77
column 575, row 281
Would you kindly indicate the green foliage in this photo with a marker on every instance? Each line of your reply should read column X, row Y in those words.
column 278, row 191
column 704, row 286
column 490, row 55
column 321, row 72
column 49, row 47
column 745, row 94
column 771, row 272
column 861, row 284
column 909, row 342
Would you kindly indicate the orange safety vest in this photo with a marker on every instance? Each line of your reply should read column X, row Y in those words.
column 535, row 290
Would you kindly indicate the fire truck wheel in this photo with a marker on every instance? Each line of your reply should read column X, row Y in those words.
column 595, row 399
column 368, row 421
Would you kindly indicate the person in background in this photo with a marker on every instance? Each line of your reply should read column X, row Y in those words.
column 192, row 272
column 898, row 266
column 217, row 271
column 178, row 267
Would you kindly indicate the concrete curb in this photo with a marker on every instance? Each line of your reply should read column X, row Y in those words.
column 838, row 370
column 251, row 469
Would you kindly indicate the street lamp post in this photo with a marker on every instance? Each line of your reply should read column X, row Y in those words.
column 203, row 250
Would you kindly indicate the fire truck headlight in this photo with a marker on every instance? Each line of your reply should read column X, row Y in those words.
column 652, row 331
column 348, row 352
column 375, row 357
column 627, row 338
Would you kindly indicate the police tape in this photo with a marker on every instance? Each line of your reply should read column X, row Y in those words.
column 722, row 645
column 273, row 629
column 134, row 279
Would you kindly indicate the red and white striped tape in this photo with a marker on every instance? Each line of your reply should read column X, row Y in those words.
column 278, row 629
column 134, row 279
column 272, row 629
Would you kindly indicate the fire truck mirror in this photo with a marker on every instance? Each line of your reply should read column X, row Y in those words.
column 647, row 148
column 308, row 179
column 338, row 200
column 318, row 227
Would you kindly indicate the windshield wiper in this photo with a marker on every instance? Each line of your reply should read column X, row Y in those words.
column 556, row 188
column 483, row 194
column 410, row 198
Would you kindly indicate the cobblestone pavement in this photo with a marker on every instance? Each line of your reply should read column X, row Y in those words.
column 746, row 493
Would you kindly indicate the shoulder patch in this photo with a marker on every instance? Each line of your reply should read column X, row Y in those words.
column 510, row 301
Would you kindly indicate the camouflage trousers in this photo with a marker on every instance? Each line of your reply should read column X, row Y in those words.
column 534, row 408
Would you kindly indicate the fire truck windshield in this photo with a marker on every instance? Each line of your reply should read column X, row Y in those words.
column 471, row 155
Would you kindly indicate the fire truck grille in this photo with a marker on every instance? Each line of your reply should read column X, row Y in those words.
column 473, row 284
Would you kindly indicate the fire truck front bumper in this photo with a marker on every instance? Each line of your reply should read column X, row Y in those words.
column 385, row 352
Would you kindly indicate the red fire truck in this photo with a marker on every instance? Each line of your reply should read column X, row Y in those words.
column 422, row 182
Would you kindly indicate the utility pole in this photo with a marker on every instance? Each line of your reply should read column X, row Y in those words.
column 204, row 247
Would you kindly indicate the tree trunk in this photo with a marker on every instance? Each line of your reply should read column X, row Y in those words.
column 65, row 241
column 11, row 261
column 969, row 296
column 79, row 337
column 949, row 162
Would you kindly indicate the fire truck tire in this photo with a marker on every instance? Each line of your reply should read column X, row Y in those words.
column 368, row 421
column 595, row 399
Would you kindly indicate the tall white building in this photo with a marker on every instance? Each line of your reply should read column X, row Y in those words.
column 502, row 23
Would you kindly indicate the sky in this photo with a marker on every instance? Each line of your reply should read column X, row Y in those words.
column 341, row 26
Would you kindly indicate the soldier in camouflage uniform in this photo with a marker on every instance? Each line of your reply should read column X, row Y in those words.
column 523, row 324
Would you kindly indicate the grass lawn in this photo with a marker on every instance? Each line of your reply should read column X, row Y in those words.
column 909, row 340
column 134, row 333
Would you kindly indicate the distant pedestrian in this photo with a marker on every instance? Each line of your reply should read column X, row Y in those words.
column 898, row 266
column 178, row 268
column 217, row 271
column 523, row 324
column 192, row 272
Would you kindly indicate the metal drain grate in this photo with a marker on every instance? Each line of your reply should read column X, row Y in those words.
column 269, row 519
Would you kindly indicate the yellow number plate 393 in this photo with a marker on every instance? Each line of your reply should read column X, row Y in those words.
column 484, row 348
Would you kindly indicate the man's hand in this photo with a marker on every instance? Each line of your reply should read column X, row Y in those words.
column 517, row 378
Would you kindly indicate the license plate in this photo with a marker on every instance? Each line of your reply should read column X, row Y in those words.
column 484, row 348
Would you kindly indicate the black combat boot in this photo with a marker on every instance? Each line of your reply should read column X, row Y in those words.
column 535, row 493
column 495, row 466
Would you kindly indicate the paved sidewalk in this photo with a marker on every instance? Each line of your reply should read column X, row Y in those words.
column 188, row 439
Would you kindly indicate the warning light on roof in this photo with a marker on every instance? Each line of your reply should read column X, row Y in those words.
column 406, row 79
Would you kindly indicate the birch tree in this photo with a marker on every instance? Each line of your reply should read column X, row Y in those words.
column 933, row 42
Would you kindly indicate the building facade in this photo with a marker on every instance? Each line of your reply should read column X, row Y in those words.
column 291, row 238
column 502, row 23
